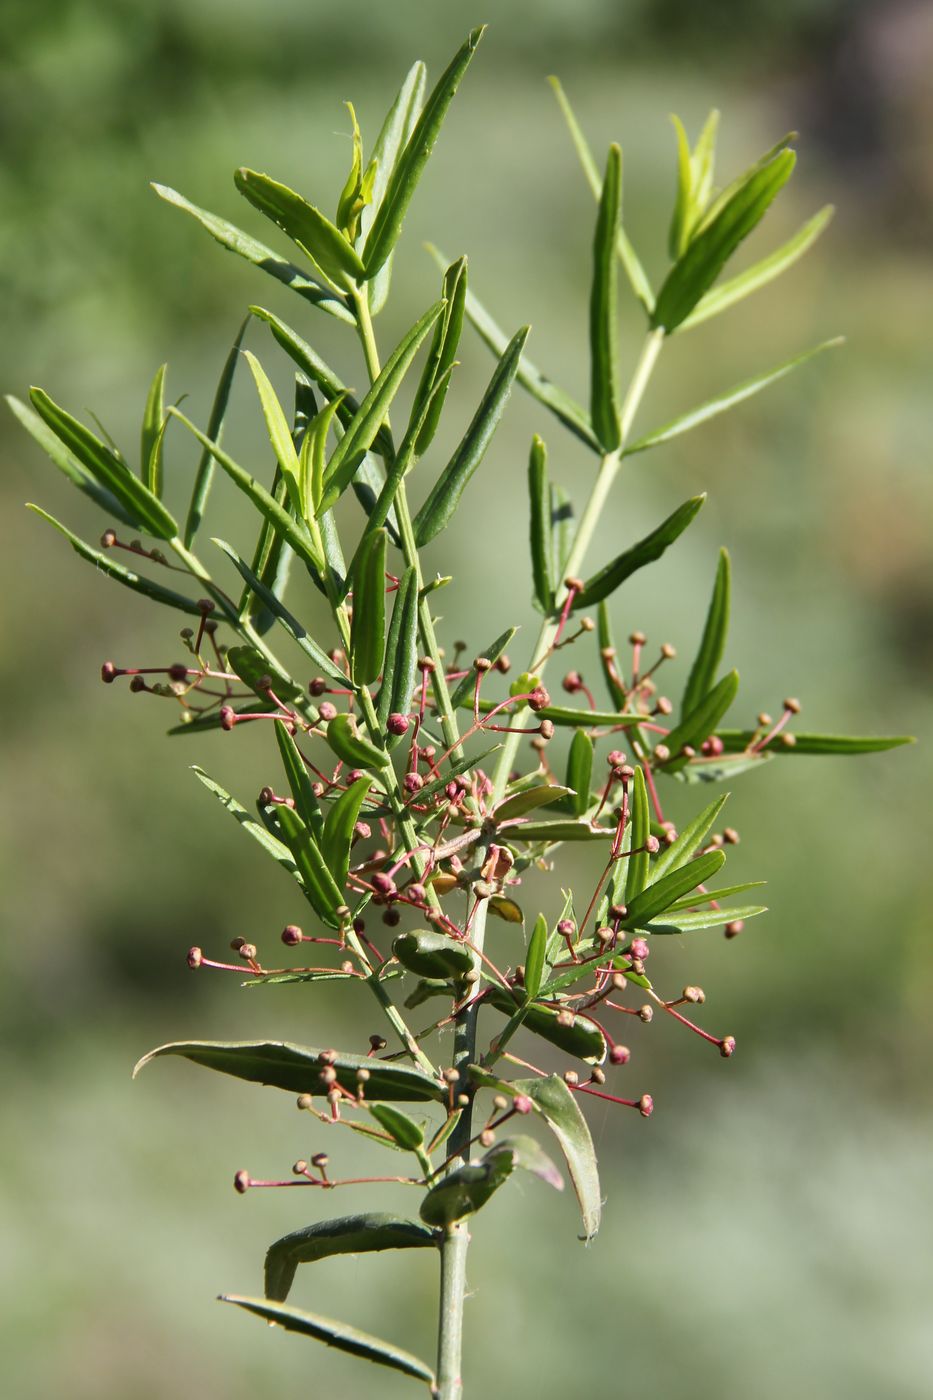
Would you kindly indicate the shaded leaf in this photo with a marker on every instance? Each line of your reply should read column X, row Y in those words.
column 433, row 955
column 350, row 1234
column 407, row 171
column 273, row 847
column 279, row 435
column 337, row 836
column 401, row 659
column 680, row 921
column 299, row 782
column 322, row 891
column 713, row 641
column 351, row 746
column 445, row 495
column 367, row 633
column 542, row 545
column 67, row 463
column 636, row 863
column 236, row 241
column 404, row 1131
column 604, row 349
column 580, row 771
column 561, row 831
column 463, row 692
column 607, row 656
column 335, row 1334
column 657, row 897
column 204, row 474
column 646, row 551
column 253, row 669
column 535, row 958
column 151, row 434
column 581, row 1039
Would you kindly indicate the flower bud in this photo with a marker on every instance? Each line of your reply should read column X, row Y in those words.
column 727, row 1047
column 397, row 724
column 646, row 1105
column 619, row 1055
column 522, row 1103
column 108, row 673
column 195, row 957
column 242, row 1182
column 327, row 710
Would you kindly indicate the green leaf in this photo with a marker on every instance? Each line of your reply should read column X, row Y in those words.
column 67, row 463
column 404, row 1131
column 335, row 1334
column 449, row 487
column 401, row 660
column 636, row 864
column 570, row 413
column 152, row 432
column 433, row 955
column 555, row 1102
column 721, row 770
column 571, row 717
column 441, row 357
column 105, row 565
column 528, row 800
column 273, row 847
column 367, row 634
column 337, row 836
column 305, row 225
column 694, row 183
column 362, row 431
column 319, row 372
column 676, row 920
column 253, row 668
column 324, row 895
column 699, row 723
column 312, row 460
column 607, row 655
column 464, row 1191
column 145, row 509
column 542, row 544
column 583, row 1040
column 358, row 189
column 236, row 241
column 279, row 434
column 580, row 771
column 646, row 551
column 760, row 274
column 299, row 782
column 205, row 471
column 661, row 894
column 713, row 641
column 463, row 693
column 350, row 1234
column 723, row 402
column 387, row 223
column 689, row 840
column 281, row 521
column 552, row 831
column 690, row 901
column 352, row 747
column 604, row 347
column 391, row 141
column 298, row 1068
column 725, row 225
column 534, row 959
column 627, row 255
column 737, row 740
column 291, row 624
column 523, row 1151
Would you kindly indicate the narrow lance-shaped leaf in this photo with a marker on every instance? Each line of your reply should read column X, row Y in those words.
column 627, row 255
column 320, row 373
column 573, row 718
column 335, row 1334
column 236, row 241
column 404, row 1131
column 604, row 345
column 661, row 894
column 679, row 232
column 107, row 566
column 542, row 544
column 296, row 534
column 291, row 624
column 299, row 781
column 313, row 458
column 387, row 224
column 257, row 671
column 392, row 139
column 352, row 747
column 563, row 528
column 401, row 658
column 679, row 920
column 699, row 723
column 723, row 402
column 713, row 641
column 67, row 463
column 350, row 1234
column 106, row 467
column 319, row 885
column 564, row 408
column 313, row 232
column 445, row 495
column 720, row 298
column 463, row 692
column 580, row 771
column 204, row 475
column 367, row 634
column 441, row 357
column 279, row 432
column 688, row 841
column 716, row 241
column 579, row 1037
column 636, row 863
column 534, row 959
column 528, row 799
column 646, row 551
column 339, row 827
column 362, row 431
column 607, row 655
column 736, row 740
column 270, row 844
column 151, row 433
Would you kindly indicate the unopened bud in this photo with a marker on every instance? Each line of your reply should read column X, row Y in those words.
column 667, row 651
column 619, row 1055
column 522, row 1103
column 646, row 1013
column 377, row 1042
column 291, row 934
column 566, row 928
column 694, row 994
column 597, row 1075
column 571, row 1078
column 652, row 845
column 327, row 1057
column 566, row 1019
column 397, row 724
column 487, row 1137
column 327, row 710
column 546, row 729
column 317, row 686
column 727, row 1047
column 108, row 673
column 363, row 1075
column 227, row 717
column 417, row 893
column 320, row 1160
column 413, row 782
column 789, row 741
column 661, row 753
column 539, row 698
column 734, row 928
column 242, row 1182
column 500, row 1102
column 637, row 639
column 300, row 1167
column 195, row 957
column 503, row 665
column 646, row 1105
column 137, row 684
column 793, row 705
column 304, row 1102
column 663, row 706
column 452, row 1076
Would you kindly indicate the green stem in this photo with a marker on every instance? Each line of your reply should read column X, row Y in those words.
column 450, row 1326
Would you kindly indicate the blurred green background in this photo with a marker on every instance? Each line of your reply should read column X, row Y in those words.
column 769, row 1231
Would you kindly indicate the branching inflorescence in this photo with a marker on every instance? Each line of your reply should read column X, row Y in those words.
column 402, row 802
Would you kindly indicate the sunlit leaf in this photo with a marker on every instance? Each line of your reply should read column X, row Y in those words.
column 152, row 432
column 646, row 551
column 636, row 864
column 305, row 225
column 657, row 897
column 391, row 141
column 737, row 740
column 604, row 347
column 350, row 1234
column 336, row 838
column 215, row 425
column 367, row 634
column 713, row 641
